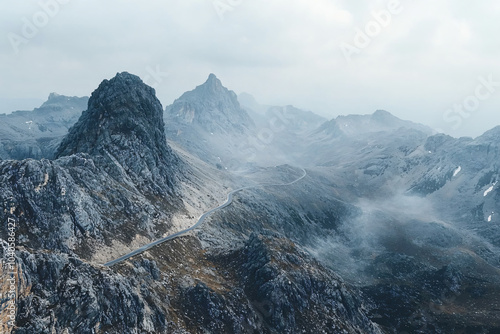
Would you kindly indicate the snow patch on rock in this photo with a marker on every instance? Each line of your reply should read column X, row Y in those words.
column 490, row 189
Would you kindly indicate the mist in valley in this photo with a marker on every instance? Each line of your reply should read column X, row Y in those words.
column 250, row 167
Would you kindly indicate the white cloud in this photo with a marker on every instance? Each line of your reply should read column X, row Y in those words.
column 282, row 51
column 453, row 33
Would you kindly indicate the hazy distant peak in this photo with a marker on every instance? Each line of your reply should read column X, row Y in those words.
column 330, row 128
column 56, row 100
column 380, row 120
column 213, row 83
column 212, row 78
column 433, row 143
column 211, row 106
column 490, row 136
column 53, row 96
column 386, row 118
column 211, row 89
column 382, row 115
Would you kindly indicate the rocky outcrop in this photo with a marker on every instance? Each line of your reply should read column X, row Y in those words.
column 267, row 286
column 114, row 172
column 294, row 293
column 123, row 125
column 407, row 219
column 66, row 294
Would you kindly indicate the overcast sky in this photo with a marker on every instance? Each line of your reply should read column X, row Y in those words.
column 434, row 62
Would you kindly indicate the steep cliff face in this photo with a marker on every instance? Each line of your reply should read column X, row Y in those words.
column 124, row 125
column 114, row 179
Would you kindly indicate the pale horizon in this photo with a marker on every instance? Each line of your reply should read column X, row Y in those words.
column 425, row 62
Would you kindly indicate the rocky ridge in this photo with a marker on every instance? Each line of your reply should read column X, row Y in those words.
column 116, row 172
column 37, row 134
column 124, row 126
column 408, row 219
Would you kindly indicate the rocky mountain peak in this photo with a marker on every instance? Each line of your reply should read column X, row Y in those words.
column 59, row 101
column 382, row 115
column 122, row 106
column 212, row 107
column 212, row 89
column 213, row 83
column 53, row 95
column 123, row 122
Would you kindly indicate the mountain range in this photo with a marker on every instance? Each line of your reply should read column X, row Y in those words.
column 393, row 229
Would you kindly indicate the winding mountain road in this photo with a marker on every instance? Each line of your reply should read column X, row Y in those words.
column 199, row 222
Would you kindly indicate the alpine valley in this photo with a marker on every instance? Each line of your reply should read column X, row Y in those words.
column 358, row 224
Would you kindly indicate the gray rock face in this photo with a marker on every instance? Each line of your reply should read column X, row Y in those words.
column 266, row 286
column 409, row 220
column 294, row 294
column 210, row 123
column 212, row 107
column 124, row 125
column 114, row 172
column 65, row 294
column 277, row 289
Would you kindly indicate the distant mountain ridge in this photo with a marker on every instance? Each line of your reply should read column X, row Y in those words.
column 116, row 184
column 37, row 133
column 379, row 121
column 393, row 229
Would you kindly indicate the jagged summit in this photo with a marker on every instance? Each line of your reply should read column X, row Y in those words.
column 212, row 107
column 121, row 106
column 123, row 122
column 56, row 100
column 53, row 95
column 211, row 89
column 213, row 82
